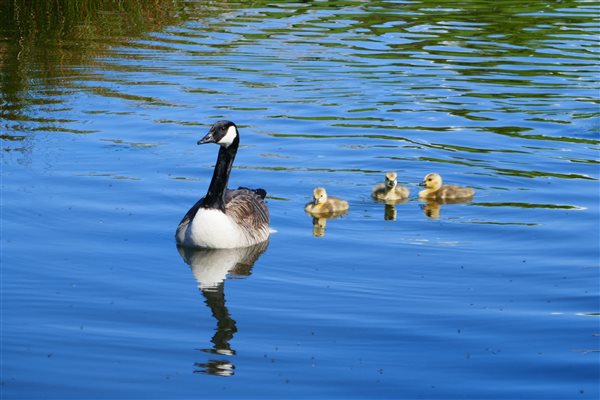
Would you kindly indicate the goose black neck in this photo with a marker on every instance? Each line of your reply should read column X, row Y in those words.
column 215, row 197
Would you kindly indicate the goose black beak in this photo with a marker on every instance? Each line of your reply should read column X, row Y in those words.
column 422, row 183
column 209, row 138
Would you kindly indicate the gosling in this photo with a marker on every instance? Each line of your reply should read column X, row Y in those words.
column 435, row 190
column 390, row 189
column 323, row 204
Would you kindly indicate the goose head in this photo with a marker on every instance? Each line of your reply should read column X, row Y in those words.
column 391, row 180
column 432, row 181
column 319, row 196
column 223, row 133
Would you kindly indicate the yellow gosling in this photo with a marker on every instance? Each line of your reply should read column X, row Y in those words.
column 323, row 204
column 435, row 190
column 390, row 191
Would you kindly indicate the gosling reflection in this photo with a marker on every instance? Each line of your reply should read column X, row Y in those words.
column 389, row 211
column 319, row 225
column 210, row 268
column 433, row 208
column 320, row 222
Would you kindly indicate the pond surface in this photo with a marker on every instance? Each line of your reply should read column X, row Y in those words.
column 497, row 298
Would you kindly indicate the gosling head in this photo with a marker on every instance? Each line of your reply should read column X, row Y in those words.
column 432, row 181
column 223, row 133
column 391, row 179
column 319, row 196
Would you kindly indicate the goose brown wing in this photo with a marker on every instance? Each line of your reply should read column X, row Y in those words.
column 247, row 208
column 261, row 192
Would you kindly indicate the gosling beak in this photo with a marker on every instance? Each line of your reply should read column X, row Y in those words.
column 423, row 184
column 316, row 201
column 209, row 138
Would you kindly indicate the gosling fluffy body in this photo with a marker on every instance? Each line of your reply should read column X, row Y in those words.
column 389, row 190
column 434, row 189
column 324, row 204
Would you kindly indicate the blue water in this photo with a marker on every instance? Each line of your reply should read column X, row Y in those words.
column 496, row 298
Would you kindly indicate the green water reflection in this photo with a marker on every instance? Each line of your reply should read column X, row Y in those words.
column 42, row 39
column 490, row 59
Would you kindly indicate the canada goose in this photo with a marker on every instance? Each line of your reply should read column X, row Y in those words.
column 435, row 190
column 390, row 190
column 323, row 204
column 225, row 218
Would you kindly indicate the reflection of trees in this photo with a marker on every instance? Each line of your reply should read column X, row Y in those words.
column 461, row 44
column 429, row 22
column 52, row 34
column 42, row 39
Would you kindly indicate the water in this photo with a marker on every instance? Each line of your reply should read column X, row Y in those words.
column 496, row 298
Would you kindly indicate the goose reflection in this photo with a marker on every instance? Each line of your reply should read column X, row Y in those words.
column 433, row 208
column 211, row 268
column 320, row 222
column 389, row 211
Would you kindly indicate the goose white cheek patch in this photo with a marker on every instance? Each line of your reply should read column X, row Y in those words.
column 229, row 137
